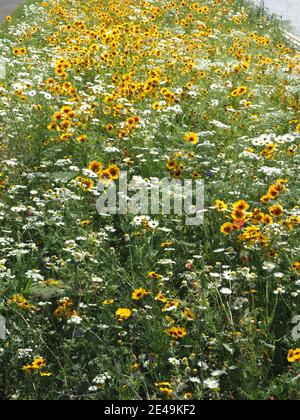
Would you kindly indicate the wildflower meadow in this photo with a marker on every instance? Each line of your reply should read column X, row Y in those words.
column 142, row 305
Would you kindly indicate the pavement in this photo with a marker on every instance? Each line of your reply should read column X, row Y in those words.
column 287, row 9
column 7, row 7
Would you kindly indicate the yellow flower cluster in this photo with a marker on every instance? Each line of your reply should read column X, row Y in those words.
column 19, row 51
column 275, row 190
column 61, row 68
column 242, row 90
column 65, row 309
column 62, row 121
column 36, row 366
column 21, row 302
column 176, row 332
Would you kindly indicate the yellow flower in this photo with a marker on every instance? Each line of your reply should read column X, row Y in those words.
column 139, row 293
column 265, row 199
column 50, row 282
column 165, row 387
column 123, row 313
column 196, row 175
column 86, row 184
column 163, row 384
column 153, row 275
column 95, row 167
column 294, row 356
column 27, row 368
column 292, row 150
column 171, row 305
column 171, row 165
column 156, row 106
column 192, row 138
column 241, row 205
column 46, row 374
column 19, row 51
column 114, row 172
column 220, row 205
column 273, row 192
column 176, row 332
column 239, row 91
column 20, row 301
column 38, row 363
column 82, row 139
column 66, row 110
column 296, row 266
column 238, row 215
column 268, row 220
column 109, row 127
column 188, row 314
column 166, row 390
column 64, row 309
column 85, row 223
column 105, row 177
column 135, row 366
column 108, row 302
column 161, row 297
column 166, row 244
column 276, row 210
column 227, row 228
